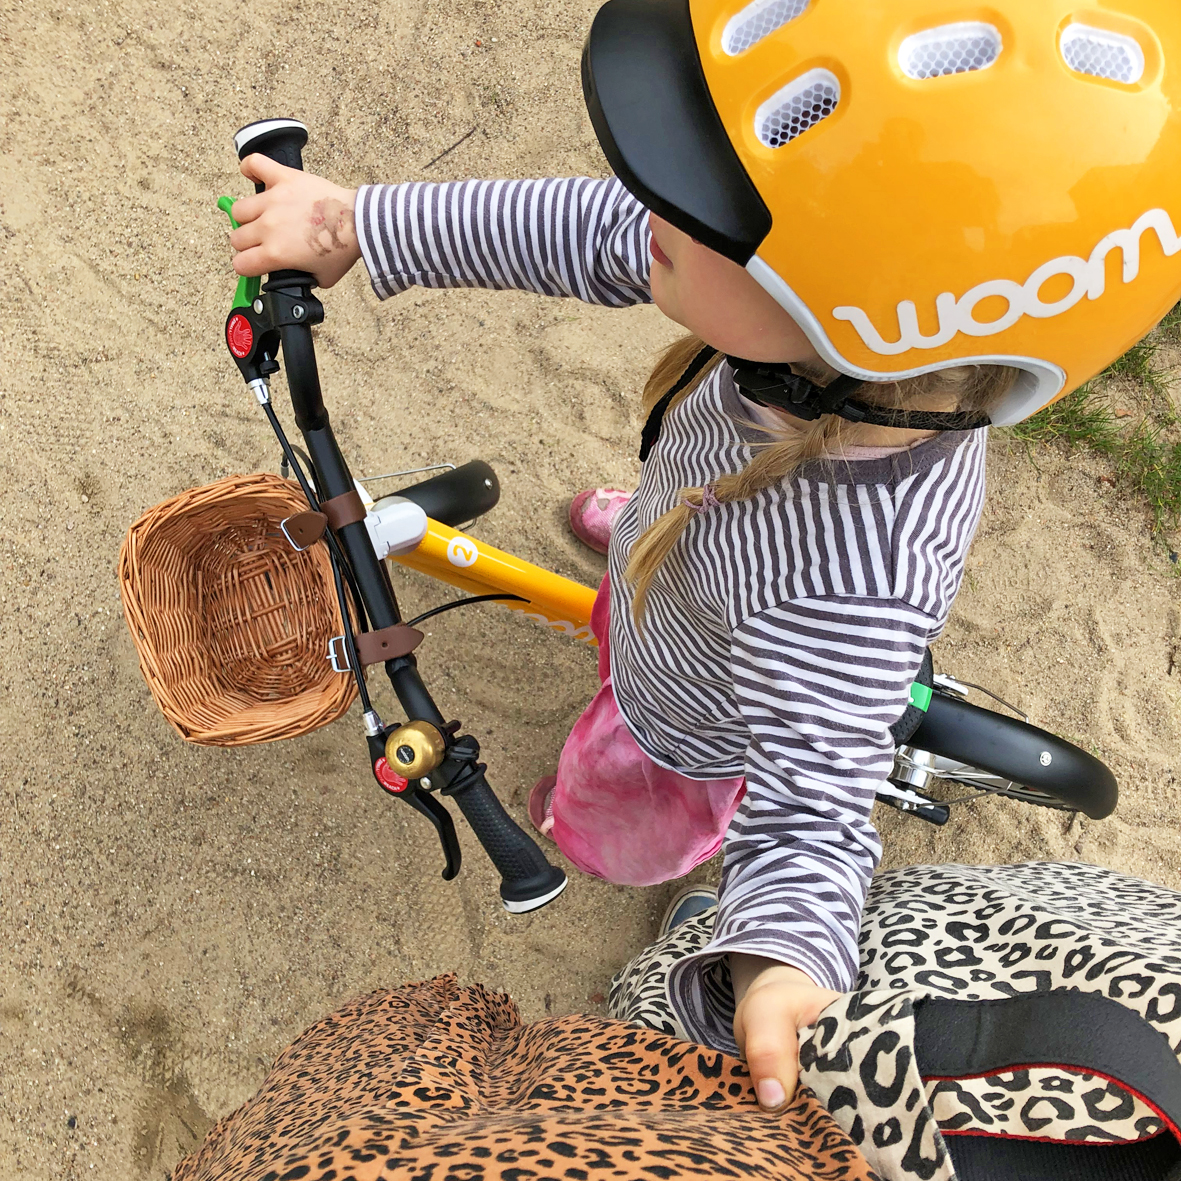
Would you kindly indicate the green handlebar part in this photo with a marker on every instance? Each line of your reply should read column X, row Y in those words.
column 226, row 205
column 247, row 290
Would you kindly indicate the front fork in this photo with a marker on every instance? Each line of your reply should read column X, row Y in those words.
column 281, row 317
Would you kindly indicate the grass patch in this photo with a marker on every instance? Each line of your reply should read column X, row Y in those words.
column 1144, row 442
column 1151, row 462
column 1141, row 364
column 1081, row 418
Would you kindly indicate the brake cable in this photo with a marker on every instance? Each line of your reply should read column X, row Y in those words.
column 336, row 557
column 464, row 603
column 313, row 501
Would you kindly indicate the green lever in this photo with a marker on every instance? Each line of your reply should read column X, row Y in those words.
column 247, row 290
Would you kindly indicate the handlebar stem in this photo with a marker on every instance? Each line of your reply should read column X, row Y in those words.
column 412, row 694
column 282, row 317
column 303, row 380
column 333, row 479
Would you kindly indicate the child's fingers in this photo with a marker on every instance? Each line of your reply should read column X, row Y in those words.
column 263, row 170
column 248, row 208
column 255, row 261
column 773, row 1056
column 766, row 1031
column 775, row 1001
column 246, row 236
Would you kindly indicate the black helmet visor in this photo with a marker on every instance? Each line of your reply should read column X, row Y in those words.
column 658, row 127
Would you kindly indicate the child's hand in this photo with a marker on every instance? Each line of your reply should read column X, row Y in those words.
column 775, row 1001
column 301, row 223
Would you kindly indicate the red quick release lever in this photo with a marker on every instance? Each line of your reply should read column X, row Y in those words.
column 389, row 778
column 239, row 335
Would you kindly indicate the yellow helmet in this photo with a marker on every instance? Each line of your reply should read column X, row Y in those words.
column 919, row 184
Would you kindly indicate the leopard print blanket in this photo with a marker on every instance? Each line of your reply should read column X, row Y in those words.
column 968, row 933
column 434, row 1082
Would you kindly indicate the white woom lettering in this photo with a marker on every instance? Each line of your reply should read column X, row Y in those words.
column 583, row 633
column 1087, row 277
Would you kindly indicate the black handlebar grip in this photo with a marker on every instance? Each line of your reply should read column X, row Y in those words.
column 280, row 139
column 528, row 881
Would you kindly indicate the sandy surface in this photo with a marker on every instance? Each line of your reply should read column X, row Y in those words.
column 171, row 916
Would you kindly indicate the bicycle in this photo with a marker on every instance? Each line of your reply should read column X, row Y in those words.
column 941, row 736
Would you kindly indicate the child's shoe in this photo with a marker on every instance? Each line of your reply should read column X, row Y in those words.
column 592, row 514
column 687, row 903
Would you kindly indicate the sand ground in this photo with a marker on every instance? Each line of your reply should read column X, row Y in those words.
column 170, row 916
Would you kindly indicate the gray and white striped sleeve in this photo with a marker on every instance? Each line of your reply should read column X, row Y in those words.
column 575, row 237
column 819, row 682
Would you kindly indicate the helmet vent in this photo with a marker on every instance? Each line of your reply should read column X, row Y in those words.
column 801, row 104
column 950, row 49
column 1102, row 54
column 758, row 20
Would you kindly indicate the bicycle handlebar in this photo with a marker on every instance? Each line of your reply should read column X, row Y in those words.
column 281, row 140
column 528, row 879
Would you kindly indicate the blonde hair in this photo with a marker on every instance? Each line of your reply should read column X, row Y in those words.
column 965, row 387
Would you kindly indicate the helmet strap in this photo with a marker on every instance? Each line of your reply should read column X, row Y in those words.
column 776, row 386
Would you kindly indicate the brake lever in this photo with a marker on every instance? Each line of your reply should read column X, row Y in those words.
column 429, row 807
column 426, row 805
column 248, row 285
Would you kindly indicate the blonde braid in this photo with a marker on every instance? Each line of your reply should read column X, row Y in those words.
column 971, row 387
column 673, row 362
column 773, row 463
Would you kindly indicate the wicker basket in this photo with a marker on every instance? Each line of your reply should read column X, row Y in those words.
column 231, row 624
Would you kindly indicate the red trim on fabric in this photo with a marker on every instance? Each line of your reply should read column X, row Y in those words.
column 1052, row 1139
column 948, row 1078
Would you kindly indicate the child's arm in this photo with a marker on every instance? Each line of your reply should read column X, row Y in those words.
column 819, row 682
column 573, row 237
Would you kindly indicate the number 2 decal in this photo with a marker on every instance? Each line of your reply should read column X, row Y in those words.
column 462, row 551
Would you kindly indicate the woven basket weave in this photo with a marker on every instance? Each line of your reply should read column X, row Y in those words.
column 231, row 624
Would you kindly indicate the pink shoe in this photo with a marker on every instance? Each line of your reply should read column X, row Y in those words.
column 541, row 805
column 592, row 513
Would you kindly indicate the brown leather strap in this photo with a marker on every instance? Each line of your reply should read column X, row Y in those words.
column 305, row 529
column 346, row 509
column 380, row 646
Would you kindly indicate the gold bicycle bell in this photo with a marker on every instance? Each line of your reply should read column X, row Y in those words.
column 415, row 749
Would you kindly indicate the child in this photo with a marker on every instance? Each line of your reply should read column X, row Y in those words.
column 812, row 479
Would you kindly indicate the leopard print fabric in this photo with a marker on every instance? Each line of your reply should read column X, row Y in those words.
column 861, row 1054
column 970, row 933
column 433, row 1082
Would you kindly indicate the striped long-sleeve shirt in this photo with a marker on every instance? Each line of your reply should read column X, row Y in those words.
column 782, row 633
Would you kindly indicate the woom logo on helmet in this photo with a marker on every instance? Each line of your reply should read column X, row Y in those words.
column 1088, row 276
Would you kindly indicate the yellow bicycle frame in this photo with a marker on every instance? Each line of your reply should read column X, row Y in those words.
column 480, row 569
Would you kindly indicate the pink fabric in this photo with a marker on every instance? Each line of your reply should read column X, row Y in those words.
column 617, row 814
